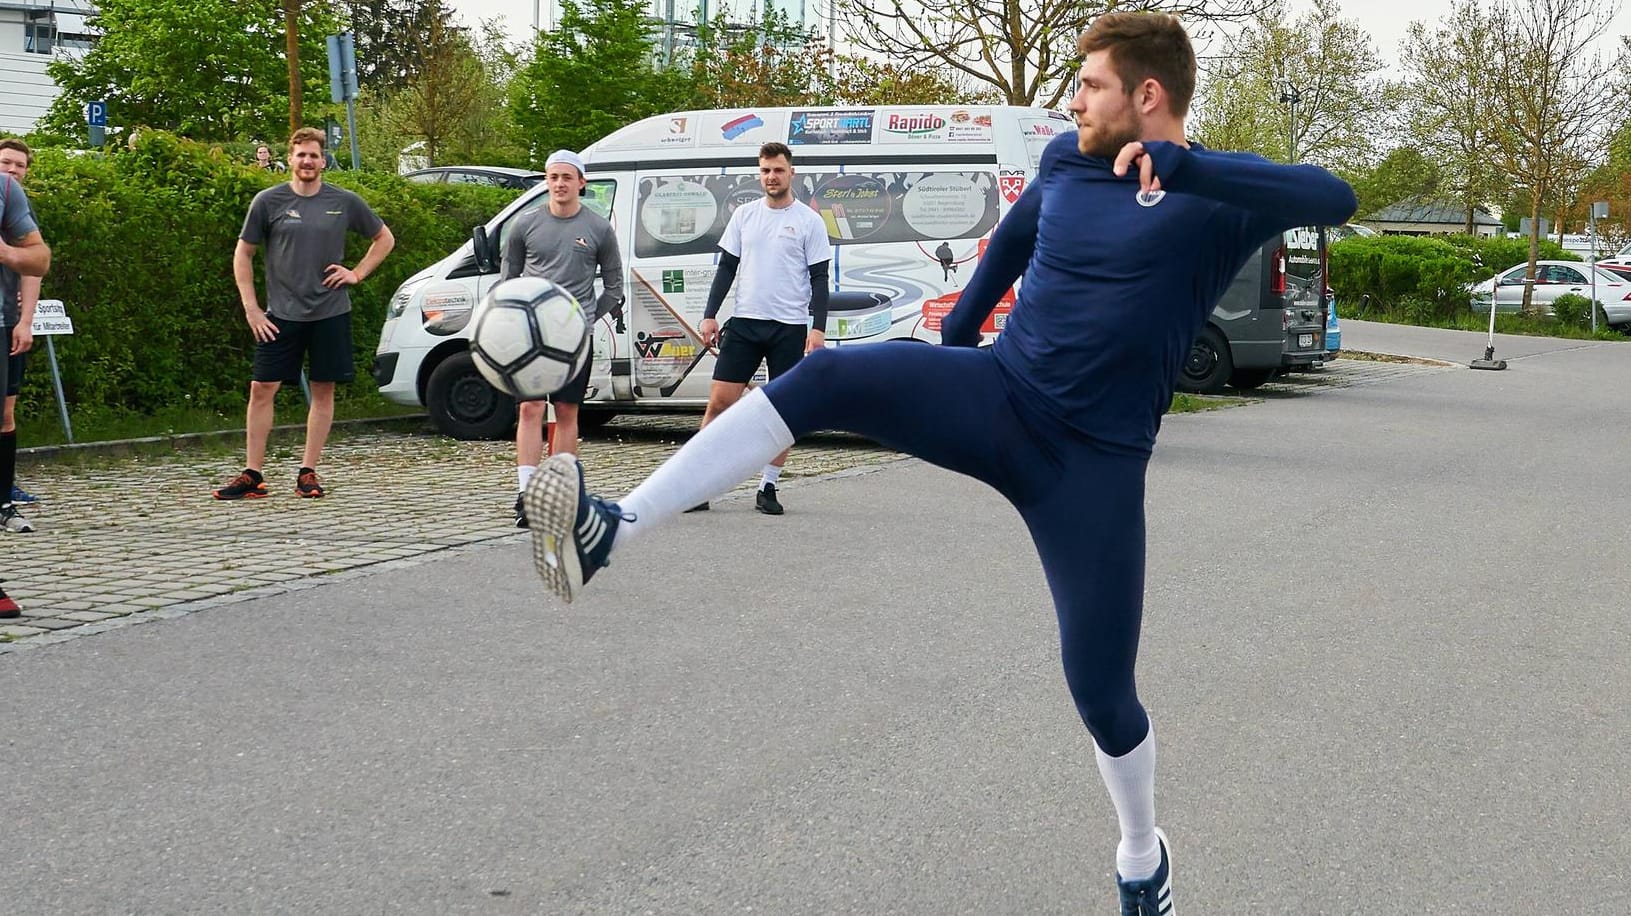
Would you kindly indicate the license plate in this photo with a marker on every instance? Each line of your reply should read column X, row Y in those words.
column 1305, row 340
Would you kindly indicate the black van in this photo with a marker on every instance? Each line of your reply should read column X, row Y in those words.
column 1272, row 319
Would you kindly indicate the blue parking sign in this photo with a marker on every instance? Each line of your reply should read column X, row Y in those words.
column 96, row 114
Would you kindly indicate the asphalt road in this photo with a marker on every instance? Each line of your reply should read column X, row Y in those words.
column 1387, row 651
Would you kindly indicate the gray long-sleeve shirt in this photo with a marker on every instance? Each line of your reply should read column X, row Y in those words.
column 567, row 251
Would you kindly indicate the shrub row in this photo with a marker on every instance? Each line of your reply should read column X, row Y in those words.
column 1426, row 276
column 142, row 242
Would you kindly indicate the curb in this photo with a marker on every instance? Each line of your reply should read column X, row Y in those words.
column 178, row 442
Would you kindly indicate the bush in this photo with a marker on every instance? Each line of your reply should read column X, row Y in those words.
column 1575, row 311
column 1423, row 279
column 142, row 242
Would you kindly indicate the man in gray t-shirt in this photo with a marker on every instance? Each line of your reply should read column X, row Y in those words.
column 303, row 225
column 22, row 254
column 565, row 243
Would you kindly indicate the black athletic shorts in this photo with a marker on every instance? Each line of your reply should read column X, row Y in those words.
column 15, row 366
column 328, row 340
column 573, row 391
column 745, row 342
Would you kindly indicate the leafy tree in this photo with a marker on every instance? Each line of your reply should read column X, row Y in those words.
column 863, row 81
column 592, row 75
column 1024, row 53
column 1547, row 91
column 767, row 60
column 450, row 103
column 1449, row 92
column 1403, row 174
column 1328, row 64
column 391, row 39
column 208, row 69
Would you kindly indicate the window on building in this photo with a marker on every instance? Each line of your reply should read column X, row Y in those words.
column 39, row 32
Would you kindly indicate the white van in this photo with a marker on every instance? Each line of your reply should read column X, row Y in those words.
column 909, row 195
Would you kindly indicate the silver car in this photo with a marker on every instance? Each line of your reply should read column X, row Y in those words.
column 1554, row 279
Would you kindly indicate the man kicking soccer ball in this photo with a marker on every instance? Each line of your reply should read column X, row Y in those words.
column 1127, row 239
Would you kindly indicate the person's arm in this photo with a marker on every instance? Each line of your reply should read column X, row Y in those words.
column 514, row 259
column 724, row 276
column 1004, row 260
column 1278, row 196
column 243, row 273
column 28, row 297
column 820, row 290
column 28, row 255
column 338, row 275
column 611, row 276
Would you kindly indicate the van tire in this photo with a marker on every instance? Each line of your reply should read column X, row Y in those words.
column 463, row 405
column 1209, row 365
column 1247, row 379
column 594, row 418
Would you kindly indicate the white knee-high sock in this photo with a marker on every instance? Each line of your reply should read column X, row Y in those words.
column 1131, row 781
column 726, row 452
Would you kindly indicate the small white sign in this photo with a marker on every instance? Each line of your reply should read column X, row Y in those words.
column 51, row 318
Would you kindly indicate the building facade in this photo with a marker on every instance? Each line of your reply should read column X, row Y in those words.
column 32, row 34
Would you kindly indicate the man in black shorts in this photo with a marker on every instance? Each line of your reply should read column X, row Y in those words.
column 303, row 224
column 778, row 248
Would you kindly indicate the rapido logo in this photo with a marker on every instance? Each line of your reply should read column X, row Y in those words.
column 914, row 125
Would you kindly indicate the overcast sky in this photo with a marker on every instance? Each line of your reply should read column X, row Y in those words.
column 1385, row 20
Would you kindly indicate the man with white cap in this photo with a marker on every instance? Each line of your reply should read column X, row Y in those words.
column 564, row 243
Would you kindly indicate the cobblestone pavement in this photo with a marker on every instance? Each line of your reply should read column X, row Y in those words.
column 126, row 535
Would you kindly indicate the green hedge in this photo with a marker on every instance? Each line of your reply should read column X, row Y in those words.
column 1423, row 278
column 142, row 242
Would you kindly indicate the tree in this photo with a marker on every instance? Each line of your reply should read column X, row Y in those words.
column 451, row 100
column 1403, row 174
column 1023, row 52
column 592, row 75
column 1548, row 87
column 863, row 81
column 390, row 40
column 1326, row 64
column 291, row 30
column 764, row 61
column 207, row 69
column 1449, row 90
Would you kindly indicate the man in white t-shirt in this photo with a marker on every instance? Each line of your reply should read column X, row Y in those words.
column 778, row 249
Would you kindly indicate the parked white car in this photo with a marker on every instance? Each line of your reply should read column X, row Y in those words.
column 1554, row 279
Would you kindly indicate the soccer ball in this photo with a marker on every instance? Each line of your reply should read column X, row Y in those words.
column 529, row 337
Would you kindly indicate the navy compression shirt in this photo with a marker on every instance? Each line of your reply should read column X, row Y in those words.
column 1115, row 291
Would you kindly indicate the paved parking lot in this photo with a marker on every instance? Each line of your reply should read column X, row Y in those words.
column 136, row 535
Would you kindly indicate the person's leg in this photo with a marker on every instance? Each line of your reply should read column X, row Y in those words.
column 567, row 401
column 1089, row 533
column 784, row 350
column 948, row 406
column 10, row 519
column 319, row 420
column 258, row 423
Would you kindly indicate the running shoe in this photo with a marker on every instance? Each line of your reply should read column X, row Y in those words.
column 307, row 486
column 1153, row 895
column 520, row 513
column 8, row 607
column 765, row 500
column 247, row 485
column 13, row 521
column 699, row 507
column 572, row 532
column 22, row 496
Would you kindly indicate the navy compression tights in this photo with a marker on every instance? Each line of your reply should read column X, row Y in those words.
column 1084, row 506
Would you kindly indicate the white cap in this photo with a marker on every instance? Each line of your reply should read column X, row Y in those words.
column 566, row 156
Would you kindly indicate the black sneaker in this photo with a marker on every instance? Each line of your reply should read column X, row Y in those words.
column 520, row 513
column 765, row 500
column 572, row 532
column 12, row 520
column 699, row 507
column 1153, row 895
column 8, row 607
column 307, row 486
column 248, row 485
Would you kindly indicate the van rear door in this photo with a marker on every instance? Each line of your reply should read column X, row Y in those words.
column 1297, row 287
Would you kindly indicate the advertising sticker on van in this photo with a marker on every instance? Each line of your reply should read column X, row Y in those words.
column 740, row 127
column 830, row 125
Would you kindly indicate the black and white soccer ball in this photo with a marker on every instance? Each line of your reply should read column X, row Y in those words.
column 529, row 337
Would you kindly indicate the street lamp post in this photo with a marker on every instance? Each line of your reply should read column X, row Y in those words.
column 1290, row 96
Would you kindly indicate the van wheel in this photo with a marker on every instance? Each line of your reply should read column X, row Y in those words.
column 463, row 405
column 1209, row 365
column 1247, row 379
